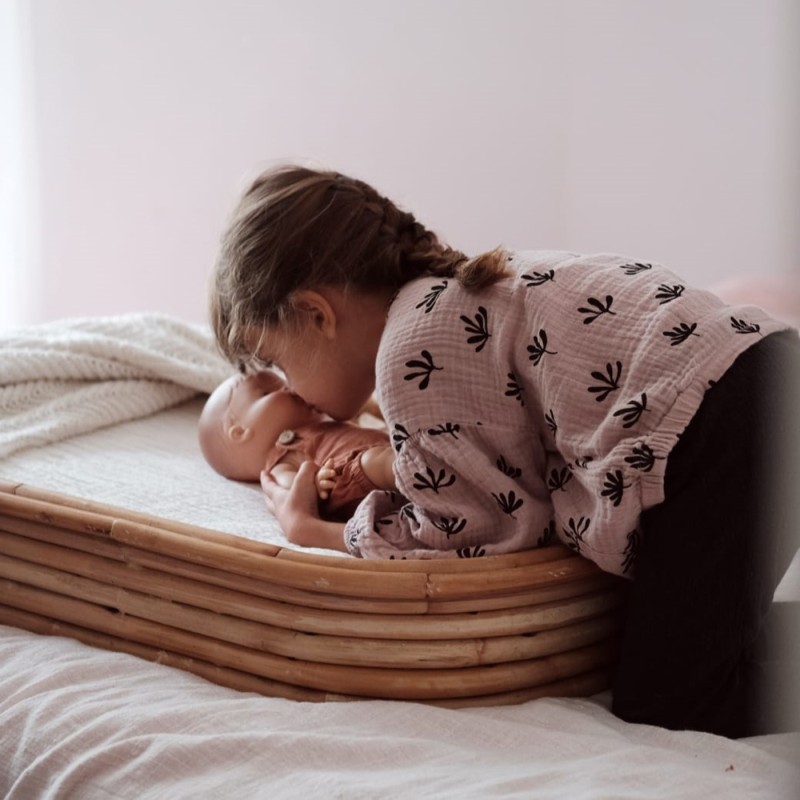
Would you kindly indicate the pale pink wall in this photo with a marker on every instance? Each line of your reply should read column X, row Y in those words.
column 662, row 130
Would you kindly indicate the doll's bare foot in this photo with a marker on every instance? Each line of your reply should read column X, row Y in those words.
column 325, row 479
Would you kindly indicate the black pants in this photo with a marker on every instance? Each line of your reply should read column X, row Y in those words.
column 704, row 646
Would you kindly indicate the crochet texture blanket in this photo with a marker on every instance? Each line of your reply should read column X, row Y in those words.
column 73, row 376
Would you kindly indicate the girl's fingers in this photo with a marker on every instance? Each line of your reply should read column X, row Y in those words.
column 306, row 472
column 267, row 481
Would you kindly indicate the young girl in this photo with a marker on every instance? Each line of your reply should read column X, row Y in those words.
column 530, row 397
column 252, row 424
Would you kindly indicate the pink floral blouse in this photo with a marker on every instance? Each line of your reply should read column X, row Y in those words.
column 543, row 407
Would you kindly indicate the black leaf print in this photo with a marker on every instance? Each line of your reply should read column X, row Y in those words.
column 507, row 469
column 609, row 381
column 583, row 463
column 513, row 389
column 383, row 522
column 633, row 411
column 614, row 487
column 598, row 308
column 400, row 436
column 680, row 333
column 509, row 503
column 548, row 535
column 450, row 525
column 550, row 419
column 426, row 367
column 433, row 295
column 666, row 293
column 352, row 539
column 539, row 348
column 741, row 326
column 479, row 328
column 471, row 552
column 631, row 549
column 635, row 268
column 433, row 481
column 408, row 510
column 643, row 458
column 558, row 479
column 575, row 531
column 539, row 278
column 445, row 429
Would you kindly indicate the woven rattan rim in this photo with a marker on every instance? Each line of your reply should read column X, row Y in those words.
column 260, row 617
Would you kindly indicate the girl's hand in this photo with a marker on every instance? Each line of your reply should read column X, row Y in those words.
column 297, row 512
column 296, row 506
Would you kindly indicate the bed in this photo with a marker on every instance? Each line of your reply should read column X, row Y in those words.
column 79, row 719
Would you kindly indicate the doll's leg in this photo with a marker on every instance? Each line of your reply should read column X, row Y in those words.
column 694, row 651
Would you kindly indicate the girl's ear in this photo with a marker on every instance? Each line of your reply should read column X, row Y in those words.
column 317, row 311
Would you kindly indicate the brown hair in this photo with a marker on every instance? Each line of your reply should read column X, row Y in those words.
column 298, row 228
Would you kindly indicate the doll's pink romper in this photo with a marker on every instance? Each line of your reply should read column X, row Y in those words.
column 343, row 442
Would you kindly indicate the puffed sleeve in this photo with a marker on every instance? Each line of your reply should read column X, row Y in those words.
column 457, row 496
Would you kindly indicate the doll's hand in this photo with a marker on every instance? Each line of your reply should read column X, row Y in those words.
column 325, row 479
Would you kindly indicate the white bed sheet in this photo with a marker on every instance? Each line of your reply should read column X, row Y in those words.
column 82, row 723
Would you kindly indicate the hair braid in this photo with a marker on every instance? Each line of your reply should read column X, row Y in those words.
column 297, row 228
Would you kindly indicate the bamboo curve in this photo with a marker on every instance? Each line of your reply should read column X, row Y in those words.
column 259, row 617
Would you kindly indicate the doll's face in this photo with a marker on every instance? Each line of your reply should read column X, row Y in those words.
column 243, row 419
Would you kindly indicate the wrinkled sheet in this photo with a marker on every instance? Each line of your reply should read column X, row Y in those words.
column 76, row 722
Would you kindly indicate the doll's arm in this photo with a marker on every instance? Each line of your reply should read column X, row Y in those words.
column 378, row 463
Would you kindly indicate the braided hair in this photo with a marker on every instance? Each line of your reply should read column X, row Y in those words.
column 299, row 228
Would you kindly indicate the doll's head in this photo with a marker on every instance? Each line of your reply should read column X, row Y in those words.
column 297, row 229
column 242, row 420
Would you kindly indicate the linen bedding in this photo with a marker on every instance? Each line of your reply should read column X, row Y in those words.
column 81, row 722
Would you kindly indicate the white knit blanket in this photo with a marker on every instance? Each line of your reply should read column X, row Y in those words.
column 69, row 377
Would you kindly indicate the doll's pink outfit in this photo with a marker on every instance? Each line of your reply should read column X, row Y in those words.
column 343, row 442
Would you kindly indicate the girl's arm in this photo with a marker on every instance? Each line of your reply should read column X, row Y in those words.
column 296, row 510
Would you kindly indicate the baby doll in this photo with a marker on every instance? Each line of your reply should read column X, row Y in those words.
column 254, row 423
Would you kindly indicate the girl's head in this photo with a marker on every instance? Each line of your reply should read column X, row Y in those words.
column 242, row 420
column 298, row 228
